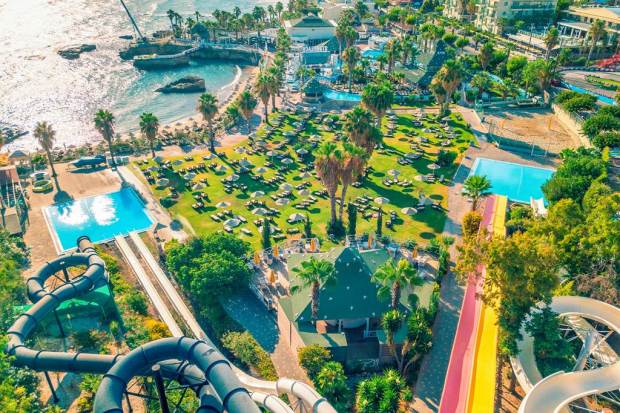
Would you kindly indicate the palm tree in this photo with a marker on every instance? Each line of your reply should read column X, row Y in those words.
column 104, row 123
column 449, row 76
column 378, row 98
column 551, row 40
column 486, row 55
column 313, row 273
column 393, row 278
column 46, row 136
column 263, row 90
column 207, row 106
column 275, row 83
column 247, row 103
column 476, row 188
column 350, row 56
column 597, row 29
column 149, row 126
column 353, row 164
column 328, row 164
column 392, row 51
column 358, row 124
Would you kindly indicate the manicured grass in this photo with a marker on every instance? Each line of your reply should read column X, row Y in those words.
column 605, row 83
column 421, row 227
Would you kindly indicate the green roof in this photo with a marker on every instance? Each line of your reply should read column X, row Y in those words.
column 353, row 294
column 311, row 21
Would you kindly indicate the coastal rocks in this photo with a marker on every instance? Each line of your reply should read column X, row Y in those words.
column 188, row 84
column 74, row 52
column 150, row 47
column 241, row 56
column 11, row 132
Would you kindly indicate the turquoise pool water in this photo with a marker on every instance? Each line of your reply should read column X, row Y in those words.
column 343, row 96
column 372, row 53
column 602, row 98
column 515, row 181
column 100, row 217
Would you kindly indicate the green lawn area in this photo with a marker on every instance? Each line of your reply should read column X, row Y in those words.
column 421, row 227
column 605, row 83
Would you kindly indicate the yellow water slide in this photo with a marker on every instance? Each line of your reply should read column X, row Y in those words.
column 481, row 395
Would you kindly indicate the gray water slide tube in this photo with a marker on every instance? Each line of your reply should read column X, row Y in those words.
column 184, row 359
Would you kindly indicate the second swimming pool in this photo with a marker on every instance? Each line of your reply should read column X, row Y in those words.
column 516, row 181
column 100, row 217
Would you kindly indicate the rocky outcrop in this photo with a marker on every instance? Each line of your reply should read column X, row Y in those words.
column 188, row 84
column 74, row 52
column 156, row 62
column 235, row 55
column 152, row 47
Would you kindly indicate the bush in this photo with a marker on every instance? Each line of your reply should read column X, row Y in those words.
column 446, row 158
column 607, row 139
column 381, row 393
column 247, row 350
column 580, row 103
column 566, row 95
column 136, row 302
column 471, row 224
column 156, row 329
column 312, row 358
column 331, row 383
column 601, row 122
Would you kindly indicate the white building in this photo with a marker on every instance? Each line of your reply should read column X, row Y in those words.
column 576, row 22
column 310, row 30
column 333, row 9
column 492, row 14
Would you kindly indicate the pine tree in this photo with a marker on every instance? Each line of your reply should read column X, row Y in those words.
column 380, row 223
column 308, row 227
column 266, row 241
column 352, row 215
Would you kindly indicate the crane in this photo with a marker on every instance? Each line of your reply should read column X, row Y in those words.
column 133, row 22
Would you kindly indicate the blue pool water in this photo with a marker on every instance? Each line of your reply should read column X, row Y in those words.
column 343, row 96
column 602, row 98
column 372, row 54
column 100, row 217
column 515, row 181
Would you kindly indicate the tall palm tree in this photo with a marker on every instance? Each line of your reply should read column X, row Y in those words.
column 207, row 106
column 328, row 164
column 393, row 278
column 46, row 136
column 104, row 123
column 247, row 103
column 358, row 125
column 392, row 52
column 597, row 29
column 378, row 98
column 313, row 273
column 275, row 73
column 263, row 90
column 449, row 76
column 476, row 188
column 353, row 163
column 551, row 40
column 149, row 126
column 350, row 56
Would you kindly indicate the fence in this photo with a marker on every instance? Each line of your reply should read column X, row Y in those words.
column 510, row 140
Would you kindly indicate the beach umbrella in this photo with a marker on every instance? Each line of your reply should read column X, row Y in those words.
column 261, row 143
column 412, row 155
column 232, row 223
column 433, row 167
column 286, row 187
column 256, row 258
column 189, row 176
column 158, row 159
column 381, row 200
column 272, row 276
column 260, row 211
column 272, row 153
column 287, row 161
column 409, row 211
column 257, row 194
column 222, row 204
column 261, row 170
column 208, row 157
column 302, row 151
column 282, row 201
column 240, row 150
column 220, row 168
column 315, row 138
column 305, row 175
column 162, row 182
column 246, row 163
column 198, row 186
column 232, row 178
column 394, row 172
column 296, row 217
column 304, row 192
column 152, row 169
column 177, row 162
column 289, row 134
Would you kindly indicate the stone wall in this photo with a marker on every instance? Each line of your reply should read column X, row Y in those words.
column 571, row 124
column 236, row 55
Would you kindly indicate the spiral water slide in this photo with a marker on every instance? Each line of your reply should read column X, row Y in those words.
column 193, row 362
column 555, row 392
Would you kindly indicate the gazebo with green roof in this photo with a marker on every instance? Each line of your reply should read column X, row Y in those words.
column 350, row 312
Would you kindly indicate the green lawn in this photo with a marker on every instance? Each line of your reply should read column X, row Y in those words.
column 424, row 226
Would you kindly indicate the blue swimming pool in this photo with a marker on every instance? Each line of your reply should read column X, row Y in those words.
column 372, row 54
column 515, row 181
column 602, row 98
column 100, row 217
column 342, row 96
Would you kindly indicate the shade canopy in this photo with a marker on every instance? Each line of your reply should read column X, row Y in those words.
column 257, row 194
column 223, row 204
column 381, row 201
column 296, row 217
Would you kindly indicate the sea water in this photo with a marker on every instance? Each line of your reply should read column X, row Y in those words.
column 36, row 84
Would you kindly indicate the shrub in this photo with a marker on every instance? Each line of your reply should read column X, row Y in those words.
column 566, row 95
column 609, row 139
column 93, row 340
column 136, row 302
column 601, row 122
column 446, row 158
column 312, row 358
column 156, row 329
column 579, row 103
column 331, row 383
column 471, row 224
column 247, row 350
column 381, row 393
